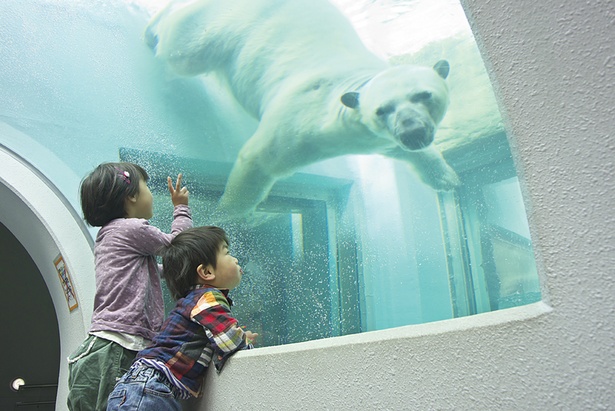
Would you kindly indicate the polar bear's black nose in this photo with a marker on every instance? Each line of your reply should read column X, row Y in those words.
column 416, row 138
column 409, row 122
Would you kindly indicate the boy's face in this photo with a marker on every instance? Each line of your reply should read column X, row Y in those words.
column 228, row 272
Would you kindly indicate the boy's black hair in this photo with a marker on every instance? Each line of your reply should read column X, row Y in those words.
column 189, row 249
column 105, row 189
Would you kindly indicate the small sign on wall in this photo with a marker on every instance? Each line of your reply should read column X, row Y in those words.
column 67, row 284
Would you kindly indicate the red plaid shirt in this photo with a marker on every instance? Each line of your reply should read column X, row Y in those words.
column 199, row 328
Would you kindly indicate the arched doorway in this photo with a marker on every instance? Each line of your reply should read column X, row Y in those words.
column 39, row 224
column 30, row 327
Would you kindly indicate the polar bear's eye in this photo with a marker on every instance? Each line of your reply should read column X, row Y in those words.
column 421, row 97
column 384, row 110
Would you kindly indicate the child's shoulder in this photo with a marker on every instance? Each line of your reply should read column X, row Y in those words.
column 207, row 292
column 121, row 229
column 123, row 224
column 207, row 297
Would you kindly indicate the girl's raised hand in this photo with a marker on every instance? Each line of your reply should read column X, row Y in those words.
column 179, row 194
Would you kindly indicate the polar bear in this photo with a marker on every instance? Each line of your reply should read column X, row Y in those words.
column 299, row 67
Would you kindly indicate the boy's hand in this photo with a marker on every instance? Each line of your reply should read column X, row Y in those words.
column 250, row 337
column 179, row 194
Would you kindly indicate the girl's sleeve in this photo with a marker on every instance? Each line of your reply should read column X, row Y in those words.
column 182, row 219
column 214, row 314
column 150, row 239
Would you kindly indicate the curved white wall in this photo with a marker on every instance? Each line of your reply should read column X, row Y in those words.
column 553, row 63
column 44, row 225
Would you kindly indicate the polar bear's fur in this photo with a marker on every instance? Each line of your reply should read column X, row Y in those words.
column 299, row 67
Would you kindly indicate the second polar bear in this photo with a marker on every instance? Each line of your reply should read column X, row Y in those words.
column 299, row 67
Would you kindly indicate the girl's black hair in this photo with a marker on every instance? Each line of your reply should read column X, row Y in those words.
column 188, row 250
column 105, row 189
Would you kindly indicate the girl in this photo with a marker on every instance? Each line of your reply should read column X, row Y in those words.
column 128, row 305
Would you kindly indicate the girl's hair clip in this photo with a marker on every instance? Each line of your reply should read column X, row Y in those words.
column 125, row 175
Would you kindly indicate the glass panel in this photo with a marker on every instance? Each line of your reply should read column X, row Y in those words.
column 352, row 239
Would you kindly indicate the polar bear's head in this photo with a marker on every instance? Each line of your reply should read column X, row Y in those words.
column 403, row 103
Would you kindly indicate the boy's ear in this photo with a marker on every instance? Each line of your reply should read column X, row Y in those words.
column 205, row 272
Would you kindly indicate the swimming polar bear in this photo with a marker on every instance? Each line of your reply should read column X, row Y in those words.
column 299, row 67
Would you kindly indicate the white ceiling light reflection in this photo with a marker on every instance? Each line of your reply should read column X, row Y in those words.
column 17, row 383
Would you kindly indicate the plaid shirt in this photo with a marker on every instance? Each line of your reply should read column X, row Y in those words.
column 199, row 328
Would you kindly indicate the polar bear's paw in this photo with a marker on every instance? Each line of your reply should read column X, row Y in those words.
column 444, row 178
column 251, row 218
column 433, row 169
column 257, row 218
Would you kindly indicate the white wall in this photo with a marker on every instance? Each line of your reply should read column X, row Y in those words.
column 552, row 64
column 41, row 221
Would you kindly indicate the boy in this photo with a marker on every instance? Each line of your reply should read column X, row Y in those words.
column 199, row 272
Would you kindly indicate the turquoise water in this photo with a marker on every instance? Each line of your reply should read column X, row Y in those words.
column 347, row 245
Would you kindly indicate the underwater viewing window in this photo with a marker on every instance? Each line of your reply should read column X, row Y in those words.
column 358, row 243
column 336, row 256
column 349, row 235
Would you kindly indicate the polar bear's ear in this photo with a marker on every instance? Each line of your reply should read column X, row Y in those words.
column 442, row 68
column 351, row 99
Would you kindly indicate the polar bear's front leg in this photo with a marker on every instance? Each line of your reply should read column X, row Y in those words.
column 261, row 161
column 431, row 167
column 247, row 185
